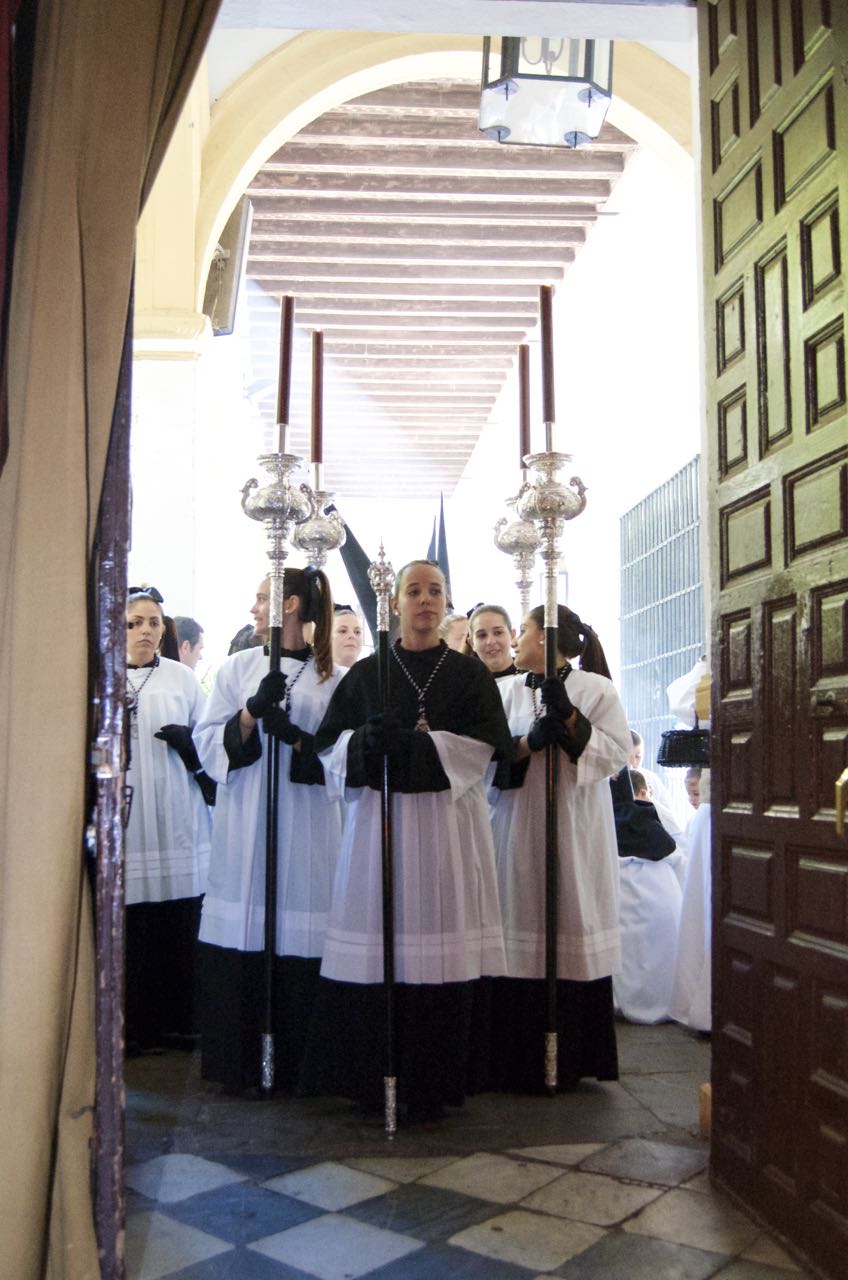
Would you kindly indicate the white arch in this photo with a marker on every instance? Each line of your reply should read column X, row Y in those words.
column 318, row 70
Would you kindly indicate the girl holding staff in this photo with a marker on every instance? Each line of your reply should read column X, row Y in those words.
column 252, row 710
column 443, row 723
column 577, row 714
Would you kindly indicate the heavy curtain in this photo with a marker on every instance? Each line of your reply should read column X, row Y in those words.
column 109, row 79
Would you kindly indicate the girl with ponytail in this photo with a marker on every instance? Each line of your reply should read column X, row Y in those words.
column 249, row 705
column 579, row 713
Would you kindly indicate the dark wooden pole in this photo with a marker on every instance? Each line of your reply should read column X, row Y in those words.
column 284, row 374
column 523, row 404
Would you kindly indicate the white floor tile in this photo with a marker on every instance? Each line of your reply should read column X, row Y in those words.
column 330, row 1186
column 176, row 1177
column 492, row 1177
column 700, row 1182
column 528, row 1239
column 690, row 1217
column 401, row 1168
column 564, row 1153
column 591, row 1197
column 333, row 1247
column 158, row 1246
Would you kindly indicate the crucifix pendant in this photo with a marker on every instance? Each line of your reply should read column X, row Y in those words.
column 421, row 723
column 133, row 726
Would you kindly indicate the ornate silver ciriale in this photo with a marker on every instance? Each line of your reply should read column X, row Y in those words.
column 546, row 504
column 280, row 505
column 381, row 575
column 519, row 539
column 322, row 533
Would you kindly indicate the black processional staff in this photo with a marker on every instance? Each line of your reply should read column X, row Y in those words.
column 547, row 503
column 272, row 754
column 551, row 558
column 380, row 576
column 279, row 505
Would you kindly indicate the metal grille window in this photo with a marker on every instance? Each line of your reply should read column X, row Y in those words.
column 662, row 612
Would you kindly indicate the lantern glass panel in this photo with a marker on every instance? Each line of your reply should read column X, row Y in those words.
column 551, row 91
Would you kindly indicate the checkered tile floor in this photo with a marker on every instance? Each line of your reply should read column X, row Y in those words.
column 633, row 1209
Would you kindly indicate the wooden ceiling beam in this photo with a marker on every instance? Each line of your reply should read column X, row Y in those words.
column 266, row 231
column 466, row 397
column 354, row 127
column 414, row 348
column 307, row 307
column 447, row 97
column 400, row 291
column 366, row 251
column 442, row 326
column 520, row 210
column 291, row 272
column 456, row 362
column 492, row 185
column 489, row 158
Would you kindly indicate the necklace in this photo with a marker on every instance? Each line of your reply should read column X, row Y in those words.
column 133, row 694
column 421, row 723
column 291, row 685
column 533, row 682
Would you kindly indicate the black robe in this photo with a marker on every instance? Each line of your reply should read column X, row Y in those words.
column 345, row 1054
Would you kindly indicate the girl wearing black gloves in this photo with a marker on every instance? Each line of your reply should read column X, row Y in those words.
column 247, row 705
column 444, row 724
column 167, row 836
column 580, row 712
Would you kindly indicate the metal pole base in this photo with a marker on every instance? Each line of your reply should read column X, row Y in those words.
column 390, row 1095
column 551, row 1054
column 267, row 1064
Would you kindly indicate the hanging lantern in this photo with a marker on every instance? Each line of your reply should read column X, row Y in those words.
column 550, row 92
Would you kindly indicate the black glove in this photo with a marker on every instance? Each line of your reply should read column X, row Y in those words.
column 179, row 737
column 554, row 697
column 277, row 724
column 547, row 730
column 272, row 689
column 382, row 734
column 208, row 787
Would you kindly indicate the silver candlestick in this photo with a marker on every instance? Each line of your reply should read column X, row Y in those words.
column 546, row 504
column 323, row 531
column 519, row 539
column 280, row 505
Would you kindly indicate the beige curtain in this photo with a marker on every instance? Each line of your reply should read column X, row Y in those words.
column 110, row 77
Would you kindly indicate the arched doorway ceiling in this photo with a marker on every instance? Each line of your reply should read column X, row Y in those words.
column 415, row 244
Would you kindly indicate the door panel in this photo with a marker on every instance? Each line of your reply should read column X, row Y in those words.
column 774, row 118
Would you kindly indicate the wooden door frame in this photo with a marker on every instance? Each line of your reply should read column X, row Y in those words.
column 107, row 591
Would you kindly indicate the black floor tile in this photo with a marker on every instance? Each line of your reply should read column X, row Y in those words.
column 622, row 1256
column 442, row 1262
column 241, row 1212
column 260, row 1166
column 427, row 1213
column 243, row 1264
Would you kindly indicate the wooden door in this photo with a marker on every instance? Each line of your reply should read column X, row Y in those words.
column 774, row 130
